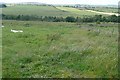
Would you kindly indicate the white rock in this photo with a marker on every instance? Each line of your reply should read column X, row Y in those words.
column 2, row 26
column 15, row 31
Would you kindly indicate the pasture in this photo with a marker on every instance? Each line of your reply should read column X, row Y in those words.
column 77, row 11
column 34, row 10
column 45, row 11
column 59, row 49
column 103, row 9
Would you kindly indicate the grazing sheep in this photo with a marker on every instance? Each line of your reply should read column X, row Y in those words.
column 15, row 31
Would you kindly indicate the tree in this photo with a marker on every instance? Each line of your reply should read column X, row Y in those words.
column 118, row 19
column 97, row 18
column 113, row 18
column 2, row 6
column 70, row 19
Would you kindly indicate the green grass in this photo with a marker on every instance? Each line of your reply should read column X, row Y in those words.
column 48, row 49
column 109, row 10
column 45, row 11
column 34, row 10
column 77, row 11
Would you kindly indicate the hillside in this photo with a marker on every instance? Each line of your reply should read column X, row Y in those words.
column 45, row 11
column 46, row 41
column 34, row 10
column 59, row 50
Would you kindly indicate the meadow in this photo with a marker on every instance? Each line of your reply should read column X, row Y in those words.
column 59, row 49
column 103, row 9
column 77, row 11
column 45, row 11
column 34, row 10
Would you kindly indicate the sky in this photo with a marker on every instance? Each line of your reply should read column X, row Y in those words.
column 90, row 2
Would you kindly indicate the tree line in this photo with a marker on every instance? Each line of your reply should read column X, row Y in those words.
column 96, row 18
column 2, row 6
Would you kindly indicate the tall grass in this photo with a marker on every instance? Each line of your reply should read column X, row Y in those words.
column 48, row 49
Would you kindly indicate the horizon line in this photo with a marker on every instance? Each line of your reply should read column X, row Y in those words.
column 58, row 3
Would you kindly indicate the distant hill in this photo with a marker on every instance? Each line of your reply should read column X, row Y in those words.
column 27, row 3
column 32, row 3
column 45, row 11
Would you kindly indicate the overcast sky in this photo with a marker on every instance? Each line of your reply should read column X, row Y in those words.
column 91, row 2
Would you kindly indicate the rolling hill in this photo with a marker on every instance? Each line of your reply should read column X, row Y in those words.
column 45, row 11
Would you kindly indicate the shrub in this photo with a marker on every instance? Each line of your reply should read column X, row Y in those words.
column 2, row 6
column 98, row 22
column 70, row 19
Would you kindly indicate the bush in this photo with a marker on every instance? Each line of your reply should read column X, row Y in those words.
column 96, row 18
column 98, row 22
column 70, row 19
column 2, row 6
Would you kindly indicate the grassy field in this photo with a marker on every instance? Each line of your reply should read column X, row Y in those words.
column 45, row 11
column 48, row 49
column 110, row 10
column 77, row 11
column 34, row 10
